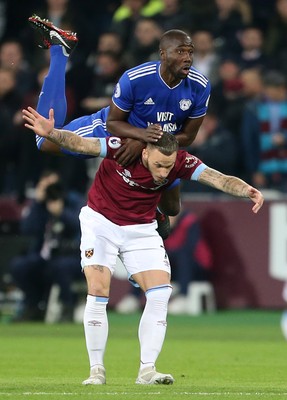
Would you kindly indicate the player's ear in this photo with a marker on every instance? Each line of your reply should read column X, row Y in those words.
column 144, row 154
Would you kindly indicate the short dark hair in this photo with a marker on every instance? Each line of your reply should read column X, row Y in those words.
column 171, row 35
column 167, row 144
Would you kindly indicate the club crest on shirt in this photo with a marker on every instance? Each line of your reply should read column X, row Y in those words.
column 89, row 253
column 184, row 104
column 114, row 142
column 190, row 161
column 117, row 91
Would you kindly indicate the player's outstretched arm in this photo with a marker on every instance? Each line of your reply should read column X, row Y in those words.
column 232, row 185
column 45, row 127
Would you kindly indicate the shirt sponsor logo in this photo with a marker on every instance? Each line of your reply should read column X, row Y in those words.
column 126, row 175
column 165, row 119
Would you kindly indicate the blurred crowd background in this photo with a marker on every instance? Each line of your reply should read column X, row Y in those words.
column 240, row 45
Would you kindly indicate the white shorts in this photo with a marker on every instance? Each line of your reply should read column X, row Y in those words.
column 139, row 247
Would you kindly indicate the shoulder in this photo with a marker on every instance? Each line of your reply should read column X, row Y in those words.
column 142, row 71
column 197, row 78
column 189, row 164
column 183, row 157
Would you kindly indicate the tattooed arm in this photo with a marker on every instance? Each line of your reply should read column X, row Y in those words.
column 44, row 127
column 232, row 185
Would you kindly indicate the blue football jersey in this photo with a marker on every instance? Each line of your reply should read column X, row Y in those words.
column 142, row 93
column 148, row 99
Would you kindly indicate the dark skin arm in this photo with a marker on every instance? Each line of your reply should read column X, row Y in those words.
column 189, row 131
column 117, row 125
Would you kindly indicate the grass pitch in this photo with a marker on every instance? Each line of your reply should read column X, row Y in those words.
column 228, row 355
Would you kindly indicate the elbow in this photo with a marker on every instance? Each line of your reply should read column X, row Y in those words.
column 185, row 141
column 112, row 125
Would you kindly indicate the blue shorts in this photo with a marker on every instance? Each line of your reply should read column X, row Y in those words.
column 93, row 125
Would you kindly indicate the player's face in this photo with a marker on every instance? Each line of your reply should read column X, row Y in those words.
column 158, row 164
column 178, row 56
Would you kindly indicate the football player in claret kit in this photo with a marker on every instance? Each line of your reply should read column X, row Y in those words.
column 167, row 95
column 119, row 220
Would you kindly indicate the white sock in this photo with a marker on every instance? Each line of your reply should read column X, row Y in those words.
column 96, row 328
column 153, row 324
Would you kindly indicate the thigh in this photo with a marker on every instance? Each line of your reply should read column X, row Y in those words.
column 144, row 256
column 88, row 126
column 151, row 278
column 98, row 240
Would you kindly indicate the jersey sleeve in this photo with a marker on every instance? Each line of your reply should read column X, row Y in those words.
column 39, row 141
column 123, row 96
column 189, row 167
column 201, row 105
column 110, row 146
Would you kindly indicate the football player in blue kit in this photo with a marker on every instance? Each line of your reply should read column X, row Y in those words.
column 167, row 95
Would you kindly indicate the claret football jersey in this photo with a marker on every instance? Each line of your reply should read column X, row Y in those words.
column 129, row 195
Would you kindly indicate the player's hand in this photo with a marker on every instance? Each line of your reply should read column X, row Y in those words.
column 257, row 198
column 129, row 151
column 37, row 123
column 153, row 133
